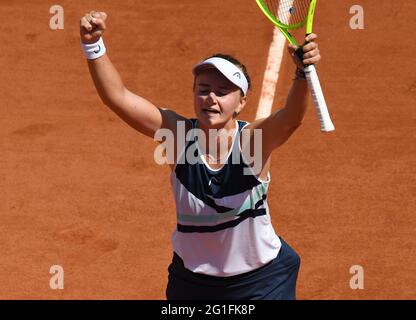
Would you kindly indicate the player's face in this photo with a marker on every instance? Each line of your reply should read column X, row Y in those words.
column 216, row 99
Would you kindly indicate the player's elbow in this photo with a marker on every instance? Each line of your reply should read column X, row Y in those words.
column 113, row 101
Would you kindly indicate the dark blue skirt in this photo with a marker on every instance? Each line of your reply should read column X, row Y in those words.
column 273, row 281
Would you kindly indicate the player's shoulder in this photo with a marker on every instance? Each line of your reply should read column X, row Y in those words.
column 173, row 120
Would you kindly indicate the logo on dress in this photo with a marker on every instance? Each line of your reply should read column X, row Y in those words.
column 213, row 179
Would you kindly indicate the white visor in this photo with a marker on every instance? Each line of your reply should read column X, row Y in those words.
column 227, row 68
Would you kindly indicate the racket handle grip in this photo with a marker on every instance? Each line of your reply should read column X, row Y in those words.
column 318, row 99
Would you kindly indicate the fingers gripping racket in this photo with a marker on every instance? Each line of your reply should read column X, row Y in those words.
column 290, row 15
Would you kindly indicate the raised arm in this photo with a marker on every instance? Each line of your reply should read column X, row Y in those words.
column 136, row 111
column 280, row 125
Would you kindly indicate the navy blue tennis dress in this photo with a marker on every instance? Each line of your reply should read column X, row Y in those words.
column 225, row 246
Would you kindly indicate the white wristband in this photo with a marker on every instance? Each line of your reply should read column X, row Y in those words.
column 94, row 50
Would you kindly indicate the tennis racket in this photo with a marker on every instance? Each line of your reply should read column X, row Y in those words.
column 291, row 15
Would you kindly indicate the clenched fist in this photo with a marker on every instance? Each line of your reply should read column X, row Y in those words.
column 92, row 26
column 311, row 54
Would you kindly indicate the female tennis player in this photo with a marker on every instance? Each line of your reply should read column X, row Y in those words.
column 225, row 246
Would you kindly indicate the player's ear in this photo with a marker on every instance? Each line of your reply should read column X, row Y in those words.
column 243, row 101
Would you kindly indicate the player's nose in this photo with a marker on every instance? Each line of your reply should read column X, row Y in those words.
column 212, row 98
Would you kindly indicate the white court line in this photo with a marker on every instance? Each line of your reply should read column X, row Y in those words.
column 271, row 76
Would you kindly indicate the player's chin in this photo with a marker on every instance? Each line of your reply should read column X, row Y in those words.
column 210, row 119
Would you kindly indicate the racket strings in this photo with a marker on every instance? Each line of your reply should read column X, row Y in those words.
column 289, row 12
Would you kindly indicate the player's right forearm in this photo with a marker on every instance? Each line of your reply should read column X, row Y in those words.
column 106, row 78
column 107, row 81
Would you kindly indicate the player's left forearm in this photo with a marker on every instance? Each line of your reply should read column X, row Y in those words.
column 296, row 103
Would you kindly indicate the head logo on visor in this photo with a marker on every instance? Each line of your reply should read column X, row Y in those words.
column 227, row 68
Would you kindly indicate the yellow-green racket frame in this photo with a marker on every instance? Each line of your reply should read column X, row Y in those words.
column 283, row 27
column 310, row 71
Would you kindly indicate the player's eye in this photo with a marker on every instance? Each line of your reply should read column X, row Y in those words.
column 205, row 92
